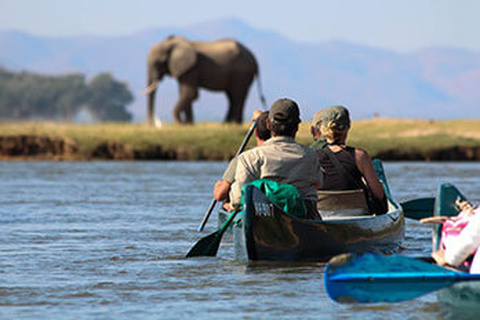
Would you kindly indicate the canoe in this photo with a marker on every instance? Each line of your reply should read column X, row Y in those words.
column 266, row 233
column 372, row 278
column 368, row 278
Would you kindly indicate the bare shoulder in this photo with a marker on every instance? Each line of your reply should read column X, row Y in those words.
column 361, row 155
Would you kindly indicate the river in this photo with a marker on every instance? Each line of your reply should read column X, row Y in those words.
column 106, row 240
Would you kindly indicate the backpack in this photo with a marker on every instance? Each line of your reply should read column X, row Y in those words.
column 283, row 195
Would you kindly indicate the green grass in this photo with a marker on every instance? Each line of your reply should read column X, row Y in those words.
column 221, row 141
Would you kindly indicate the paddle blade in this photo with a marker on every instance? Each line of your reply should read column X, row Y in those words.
column 206, row 247
column 418, row 208
column 374, row 278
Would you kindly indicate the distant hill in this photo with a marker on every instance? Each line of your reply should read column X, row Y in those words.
column 431, row 83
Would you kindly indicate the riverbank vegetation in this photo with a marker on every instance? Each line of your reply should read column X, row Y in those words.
column 390, row 139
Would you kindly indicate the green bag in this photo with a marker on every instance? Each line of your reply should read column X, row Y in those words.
column 283, row 195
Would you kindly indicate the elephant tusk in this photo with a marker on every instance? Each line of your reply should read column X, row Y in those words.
column 157, row 122
column 150, row 88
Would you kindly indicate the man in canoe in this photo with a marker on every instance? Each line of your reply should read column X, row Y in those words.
column 281, row 159
column 262, row 134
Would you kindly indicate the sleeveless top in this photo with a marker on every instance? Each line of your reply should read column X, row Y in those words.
column 333, row 179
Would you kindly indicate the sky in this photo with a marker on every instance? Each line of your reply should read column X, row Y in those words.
column 399, row 25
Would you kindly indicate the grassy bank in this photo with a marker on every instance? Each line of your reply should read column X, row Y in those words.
column 381, row 134
column 220, row 141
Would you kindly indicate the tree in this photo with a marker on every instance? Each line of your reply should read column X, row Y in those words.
column 108, row 98
column 74, row 96
column 28, row 95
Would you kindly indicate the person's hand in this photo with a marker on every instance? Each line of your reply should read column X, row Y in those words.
column 465, row 206
column 226, row 206
column 256, row 114
column 439, row 257
column 232, row 207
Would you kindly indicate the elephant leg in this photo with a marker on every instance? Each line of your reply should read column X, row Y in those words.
column 236, row 99
column 229, row 116
column 151, row 108
column 189, row 113
column 183, row 112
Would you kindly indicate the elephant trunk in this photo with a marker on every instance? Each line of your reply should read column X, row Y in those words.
column 150, row 91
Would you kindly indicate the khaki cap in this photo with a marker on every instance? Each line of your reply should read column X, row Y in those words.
column 339, row 115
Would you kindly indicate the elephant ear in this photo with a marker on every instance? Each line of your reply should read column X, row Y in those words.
column 182, row 58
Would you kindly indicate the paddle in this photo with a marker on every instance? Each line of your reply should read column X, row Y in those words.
column 414, row 209
column 427, row 207
column 418, row 208
column 374, row 278
column 208, row 246
column 240, row 150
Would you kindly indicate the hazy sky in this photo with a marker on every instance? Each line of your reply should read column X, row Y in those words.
column 402, row 25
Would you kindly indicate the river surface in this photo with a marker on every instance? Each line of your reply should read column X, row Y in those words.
column 106, row 240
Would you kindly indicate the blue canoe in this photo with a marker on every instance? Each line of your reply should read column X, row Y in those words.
column 376, row 278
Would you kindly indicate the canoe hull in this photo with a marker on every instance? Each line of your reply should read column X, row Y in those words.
column 266, row 233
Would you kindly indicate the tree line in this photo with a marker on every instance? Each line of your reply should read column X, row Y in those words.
column 27, row 95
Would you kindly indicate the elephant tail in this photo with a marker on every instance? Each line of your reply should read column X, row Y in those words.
column 260, row 91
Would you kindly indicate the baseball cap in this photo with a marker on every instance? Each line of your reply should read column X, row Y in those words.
column 339, row 115
column 284, row 111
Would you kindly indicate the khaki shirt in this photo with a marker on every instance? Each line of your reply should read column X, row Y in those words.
column 280, row 159
column 229, row 174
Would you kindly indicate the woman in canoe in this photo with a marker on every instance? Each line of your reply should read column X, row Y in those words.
column 460, row 238
column 349, row 176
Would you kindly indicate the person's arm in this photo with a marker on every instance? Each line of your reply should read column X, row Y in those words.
column 365, row 166
column 221, row 190
column 246, row 171
column 222, row 187
column 435, row 219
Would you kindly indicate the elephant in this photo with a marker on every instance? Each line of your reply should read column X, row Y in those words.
column 224, row 65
